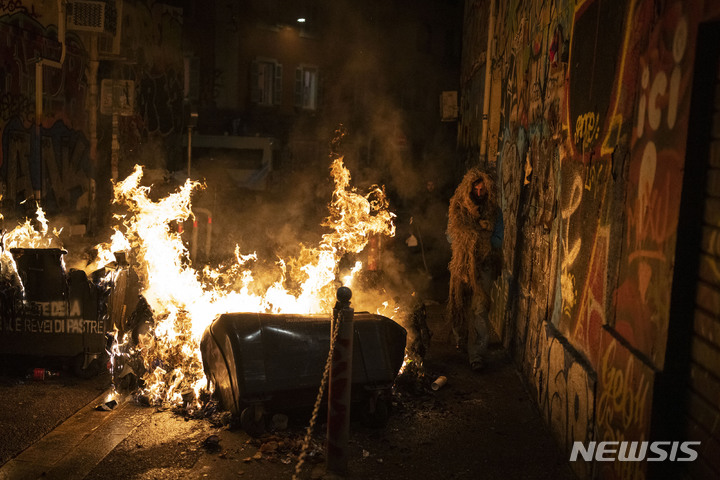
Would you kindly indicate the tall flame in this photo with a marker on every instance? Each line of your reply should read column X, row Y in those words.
column 185, row 301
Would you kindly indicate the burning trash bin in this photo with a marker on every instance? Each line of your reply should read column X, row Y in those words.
column 51, row 313
column 262, row 361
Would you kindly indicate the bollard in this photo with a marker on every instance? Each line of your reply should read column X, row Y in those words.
column 339, row 386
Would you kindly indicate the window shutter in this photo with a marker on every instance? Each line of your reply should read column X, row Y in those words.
column 255, row 92
column 320, row 90
column 277, row 87
column 298, row 87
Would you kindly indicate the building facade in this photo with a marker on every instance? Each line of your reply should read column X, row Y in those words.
column 602, row 128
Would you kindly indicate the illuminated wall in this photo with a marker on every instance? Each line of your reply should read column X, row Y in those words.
column 589, row 119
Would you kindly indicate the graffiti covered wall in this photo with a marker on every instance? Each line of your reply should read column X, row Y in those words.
column 50, row 157
column 592, row 128
column 151, row 41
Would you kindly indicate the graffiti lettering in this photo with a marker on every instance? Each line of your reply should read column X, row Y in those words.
column 12, row 6
column 53, row 325
column 594, row 175
column 622, row 403
column 620, row 397
column 587, row 129
column 570, row 254
column 613, row 135
column 160, row 102
column 511, row 185
column 650, row 104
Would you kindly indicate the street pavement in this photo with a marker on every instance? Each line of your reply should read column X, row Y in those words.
column 478, row 425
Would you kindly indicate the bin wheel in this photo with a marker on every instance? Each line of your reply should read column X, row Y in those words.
column 252, row 421
column 376, row 411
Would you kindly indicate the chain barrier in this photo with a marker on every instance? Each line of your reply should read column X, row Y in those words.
column 318, row 400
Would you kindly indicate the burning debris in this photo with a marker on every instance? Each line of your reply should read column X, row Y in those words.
column 182, row 301
column 155, row 351
column 48, row 310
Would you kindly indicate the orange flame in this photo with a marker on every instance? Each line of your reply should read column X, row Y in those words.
column 185, row 301
column 26, row 236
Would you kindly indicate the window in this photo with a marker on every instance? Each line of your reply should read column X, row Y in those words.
column 266, row 82
column 306, row 87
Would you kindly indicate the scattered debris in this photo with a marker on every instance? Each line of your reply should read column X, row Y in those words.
column 107, row 406
column 439, row 382
column 269, row 447
column 212, row 443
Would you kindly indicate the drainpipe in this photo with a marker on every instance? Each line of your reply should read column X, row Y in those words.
column 39, row 63
column 488, row 78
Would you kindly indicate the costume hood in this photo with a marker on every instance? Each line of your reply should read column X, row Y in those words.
column 470, row 227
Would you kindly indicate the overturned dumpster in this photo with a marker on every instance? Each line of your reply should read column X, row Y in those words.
column 51, row 312
column 260, row 362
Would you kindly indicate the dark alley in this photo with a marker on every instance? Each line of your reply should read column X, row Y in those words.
column 324, row 239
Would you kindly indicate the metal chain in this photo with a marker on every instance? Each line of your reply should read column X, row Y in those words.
column 318, row 400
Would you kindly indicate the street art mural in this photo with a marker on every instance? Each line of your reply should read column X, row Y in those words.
column 566, row 392
column 49, row 158
column 593, row 123
column 593, row 63
column 623, row 405
column 61, row 170
column 152, row 36
column 511, row 175
column 655, row 181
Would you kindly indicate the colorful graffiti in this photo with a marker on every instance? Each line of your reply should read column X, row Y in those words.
column 511, row 174
column 654, row 183
column 61, row 170
column 566, row 393
column 593, row 62
column 152, row 36
column 590, row 160
column 22, row 39
column 625, row 387
column 54, row 163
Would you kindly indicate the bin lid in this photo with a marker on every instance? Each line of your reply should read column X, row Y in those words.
column 23, row 250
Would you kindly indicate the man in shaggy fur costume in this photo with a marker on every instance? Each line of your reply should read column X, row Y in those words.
column 472, row 220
